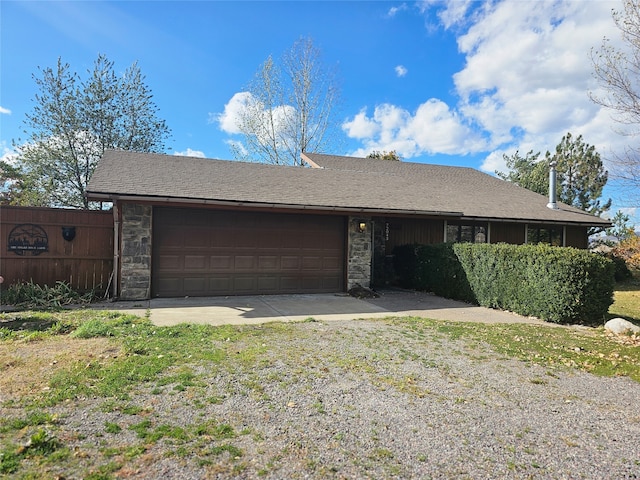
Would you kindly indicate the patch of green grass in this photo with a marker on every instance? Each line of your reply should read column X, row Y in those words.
column 41, row 443
column 182, row 379
column 149, row 351
column 146, row 432
column 111, row 427
column 382, row 454
column 552, row 346
column 32, row 419
column 133, row 451
column 95, row 327
column 9, row 460
column 103, row 472
column 232, row 450
column 215, row 430
column 122, row 407
column 627, row 301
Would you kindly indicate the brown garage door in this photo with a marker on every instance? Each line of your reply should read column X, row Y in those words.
column 208, row 252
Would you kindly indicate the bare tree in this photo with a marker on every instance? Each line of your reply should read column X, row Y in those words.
column 618, row 72
column 290, row 108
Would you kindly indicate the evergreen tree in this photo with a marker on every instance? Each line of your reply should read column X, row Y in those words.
column 73, row 122
column 581, row 176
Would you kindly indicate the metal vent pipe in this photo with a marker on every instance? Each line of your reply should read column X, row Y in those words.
column 553, row 203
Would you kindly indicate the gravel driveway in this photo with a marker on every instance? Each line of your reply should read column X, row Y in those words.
column 377, row 399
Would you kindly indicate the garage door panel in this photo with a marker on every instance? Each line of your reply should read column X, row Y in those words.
column 273, row 240
column 221, row 262
column 289, row 283
column 245, row 262
column 290, row 263
column 171, row 262
column 220, row 285
column 331, row 284
column 269, row 262
column 245, row 239
column 196, row 238
column 220, row 238
column 196, row 262
column 245, row 284
column 269, row 284
column 196, row 285
column 170, row 238
column 169, row 284
column 331, row 263
column 312, row 263
column 211, row 252
column 311, row 283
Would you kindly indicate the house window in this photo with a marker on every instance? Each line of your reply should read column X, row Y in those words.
column 471, row 233
column 545, row 234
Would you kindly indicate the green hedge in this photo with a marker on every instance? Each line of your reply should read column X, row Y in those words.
column 432, row 268
column 562, row 285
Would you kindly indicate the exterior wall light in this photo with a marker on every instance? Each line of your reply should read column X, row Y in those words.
column 362, row 227
column 69, row 233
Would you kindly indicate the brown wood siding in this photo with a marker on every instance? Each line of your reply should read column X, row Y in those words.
column 85, row 263
column 507, row 233
column 403, row 231
column 198, row 252
column 577, row 237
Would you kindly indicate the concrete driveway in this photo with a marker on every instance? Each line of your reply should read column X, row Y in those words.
column 257, row 309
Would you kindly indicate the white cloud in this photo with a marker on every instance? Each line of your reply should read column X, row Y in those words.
column 401, row 70
column 361, row 127
column 244, row 103
column 432, row 128
column 524, row 84
column 191, row 153
column 394, row 10
column 230, row 118
column 528, row 71
column 454, row 12
column 8, row 154
column 4, row 111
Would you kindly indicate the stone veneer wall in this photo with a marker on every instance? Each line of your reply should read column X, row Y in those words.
column 359, row 260
column 135, row 255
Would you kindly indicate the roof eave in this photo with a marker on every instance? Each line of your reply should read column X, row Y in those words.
column 97, row 196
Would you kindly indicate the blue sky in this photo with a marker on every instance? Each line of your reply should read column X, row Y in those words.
column 454, row 83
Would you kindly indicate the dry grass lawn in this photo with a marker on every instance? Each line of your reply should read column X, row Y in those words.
column 26, row 368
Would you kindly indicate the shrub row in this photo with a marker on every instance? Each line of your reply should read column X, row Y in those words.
column 562, row 285
column 432, row 268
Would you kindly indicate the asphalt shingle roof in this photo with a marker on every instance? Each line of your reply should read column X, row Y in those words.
column 337, row 183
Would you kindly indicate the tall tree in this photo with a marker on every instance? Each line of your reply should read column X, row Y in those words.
column 290, row 107
column 74, row 121
column 11, row 183
column 384, row 155
column 617, row 72
column 528, row 171
column 581, row 176
column 620, row 226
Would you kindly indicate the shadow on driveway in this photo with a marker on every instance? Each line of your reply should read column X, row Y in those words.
column 255, row 309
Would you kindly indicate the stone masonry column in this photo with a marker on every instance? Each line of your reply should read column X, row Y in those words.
column 135, row 256
column 359, row 257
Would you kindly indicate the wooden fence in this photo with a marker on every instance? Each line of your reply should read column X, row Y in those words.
column 46, row 245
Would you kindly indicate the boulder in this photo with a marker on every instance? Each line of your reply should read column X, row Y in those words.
column 620, row 325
